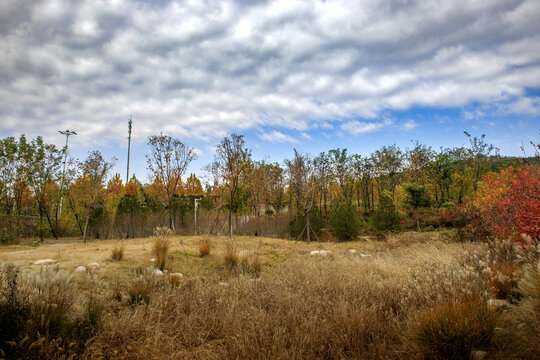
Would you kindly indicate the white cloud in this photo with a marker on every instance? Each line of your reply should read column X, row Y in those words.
column 410, row 124
column 359, row 127
column 277, row 137
column 526, row 105
column 305, row 136
column 201, row 69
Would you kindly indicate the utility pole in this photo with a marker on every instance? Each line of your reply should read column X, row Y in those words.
column 68, row 133
column 129, row 148
column 196, row 204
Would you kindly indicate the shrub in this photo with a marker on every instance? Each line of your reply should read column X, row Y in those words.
column 386, row 217
column 454, row 329
column 417, row 196
column 298, row 225
column 118, row 252
column 344, row 221
column 508, row 204
column 205, row 247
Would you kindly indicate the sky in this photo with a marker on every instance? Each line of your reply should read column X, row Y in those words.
column 311, row 75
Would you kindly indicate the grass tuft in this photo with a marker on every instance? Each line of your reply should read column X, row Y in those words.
column 231, row 255
column 205, row 247
column 118, row 252
column 454, row 329
column 160, row 249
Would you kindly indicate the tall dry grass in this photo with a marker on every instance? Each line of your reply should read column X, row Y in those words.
column 341, row 307
column 161, row 245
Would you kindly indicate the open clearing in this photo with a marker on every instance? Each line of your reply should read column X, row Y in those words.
column 183, row 255
column 342, row 304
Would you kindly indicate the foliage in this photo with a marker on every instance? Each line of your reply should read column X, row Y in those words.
column 168, row 161
column 229, row 167
column 303, row 184
column 508, row 204
column 417, row 196
column 298, row 225
column 386, row 217
column 343, row 220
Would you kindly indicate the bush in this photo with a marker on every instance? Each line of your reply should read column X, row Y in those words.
column 205, row 247
column 508, row 203
column 118, row 252
column 344, row 221
column 161, row 246
column 417, row 196
column 454, row 329
column 386, row 217
column 299, row 223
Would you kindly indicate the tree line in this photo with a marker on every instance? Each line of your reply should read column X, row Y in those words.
column 391, row 188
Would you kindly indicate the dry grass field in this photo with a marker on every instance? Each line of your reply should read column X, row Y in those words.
column 415, row 295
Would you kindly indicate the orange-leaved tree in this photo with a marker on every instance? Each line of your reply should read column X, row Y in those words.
column 508, row 204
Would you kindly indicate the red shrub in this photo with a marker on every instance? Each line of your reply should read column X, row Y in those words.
column 509, row 203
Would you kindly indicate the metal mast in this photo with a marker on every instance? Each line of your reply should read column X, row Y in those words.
column 196, row 204
column 129, row 148
column 68, row 133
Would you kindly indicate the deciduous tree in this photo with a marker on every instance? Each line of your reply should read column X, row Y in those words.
column 168, row 161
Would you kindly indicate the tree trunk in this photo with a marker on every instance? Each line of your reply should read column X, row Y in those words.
column 50, row 223
column 86, row 227
column 70, row 202
column 308, row 228
column 230, row 223
column 40, row 224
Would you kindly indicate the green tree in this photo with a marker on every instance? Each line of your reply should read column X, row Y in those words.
column 298, row 225
column 43, row 168
column 344, row 221
column 386, row 216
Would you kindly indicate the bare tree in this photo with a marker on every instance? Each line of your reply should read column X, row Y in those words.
column 230, row 163
column 168, row 161
column 303, row 184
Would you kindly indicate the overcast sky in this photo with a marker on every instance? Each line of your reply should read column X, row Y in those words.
column 313, row 75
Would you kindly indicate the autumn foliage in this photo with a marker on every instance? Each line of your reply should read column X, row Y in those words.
column 509, row 203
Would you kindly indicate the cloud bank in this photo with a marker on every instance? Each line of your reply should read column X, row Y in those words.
column 201, row 68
